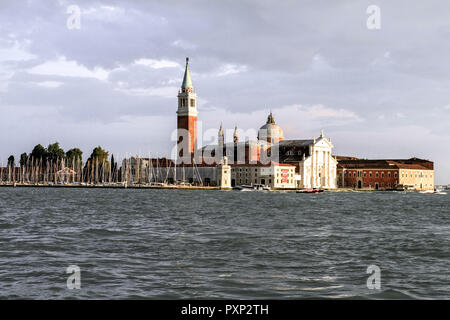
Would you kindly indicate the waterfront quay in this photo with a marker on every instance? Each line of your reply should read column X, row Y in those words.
column 110, row 186
column 161, row 186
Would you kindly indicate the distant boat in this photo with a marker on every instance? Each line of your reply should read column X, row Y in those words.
column 254, row 187
column 310, row 191
column 433, row 192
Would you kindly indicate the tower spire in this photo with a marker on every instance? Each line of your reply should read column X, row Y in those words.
column 187, row 80
column 221, row 137
column 236, row 135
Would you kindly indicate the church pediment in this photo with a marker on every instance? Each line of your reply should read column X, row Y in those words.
column 323, row 142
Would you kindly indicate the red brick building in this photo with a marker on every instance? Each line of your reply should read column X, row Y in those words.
column 414, row 173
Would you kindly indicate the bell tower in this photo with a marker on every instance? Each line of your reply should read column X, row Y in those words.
column 186, row 119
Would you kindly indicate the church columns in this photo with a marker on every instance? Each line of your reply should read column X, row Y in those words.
column 318, row 176
column 321, row 173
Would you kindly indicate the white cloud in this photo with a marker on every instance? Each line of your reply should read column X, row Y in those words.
column 163, row 92
column 320, row 65
column 184, row 45
column 68, row 68
column 49, row 84
column 157, row 64
column 16, row 52
column 228, row 69
column 103, row 13
column 320, row 111
column 12, row 52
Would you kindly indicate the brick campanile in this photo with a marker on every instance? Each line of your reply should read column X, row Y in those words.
column 187, row 119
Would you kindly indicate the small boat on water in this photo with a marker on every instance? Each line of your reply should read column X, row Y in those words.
column 436, row 191
column 310, row 191
column 254, row 187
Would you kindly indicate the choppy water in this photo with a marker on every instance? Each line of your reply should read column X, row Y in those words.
column 218, row 244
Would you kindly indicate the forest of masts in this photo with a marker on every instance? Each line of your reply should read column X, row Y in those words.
column 94, row 172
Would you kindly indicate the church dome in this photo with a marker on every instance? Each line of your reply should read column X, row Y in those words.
column 271, row 132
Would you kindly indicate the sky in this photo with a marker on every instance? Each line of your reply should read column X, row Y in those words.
column 113, row 82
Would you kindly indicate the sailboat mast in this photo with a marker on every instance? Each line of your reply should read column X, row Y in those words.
column 157, row 168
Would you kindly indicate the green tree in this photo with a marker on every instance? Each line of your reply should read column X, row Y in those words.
column 99, row 155
column 11, row 162
column 113, row 163
column 74, row 156
column 39, row 152
column 23, row 159
column 55, row 153
column 96, row 160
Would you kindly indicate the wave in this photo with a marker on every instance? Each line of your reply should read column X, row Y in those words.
column 103, row 232
column 389, row 294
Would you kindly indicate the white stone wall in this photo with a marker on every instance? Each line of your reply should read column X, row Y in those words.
column 270, row 176
column 224, row 176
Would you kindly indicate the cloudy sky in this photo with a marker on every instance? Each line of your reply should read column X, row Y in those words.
column 377, row 93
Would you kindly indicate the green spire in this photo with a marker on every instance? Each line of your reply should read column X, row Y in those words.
column 187, row 81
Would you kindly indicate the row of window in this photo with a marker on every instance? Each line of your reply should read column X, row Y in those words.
column 183, row 102
column 279, row 181
column 420, row 175
column 276, row 175
column 256, row 169
column 359, row 174
column 291, row 181
column 291, row 153
column 247, row 181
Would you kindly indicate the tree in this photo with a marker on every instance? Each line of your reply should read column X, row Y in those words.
column 113, row 164
column 39, row 152
column 94, row 165
column 11, row 162
column 55, row 153
column 74, row 156
column 99, row 155
column 23, row 159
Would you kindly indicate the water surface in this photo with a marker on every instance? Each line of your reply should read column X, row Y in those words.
column 170, row 244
